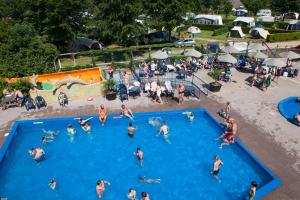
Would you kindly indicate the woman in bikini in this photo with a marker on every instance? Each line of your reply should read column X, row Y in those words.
column 180, row 89
column 100, row 187
column 102, row 114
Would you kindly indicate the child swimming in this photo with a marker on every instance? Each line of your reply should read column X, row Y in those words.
column 190, row 115
column 71, row 131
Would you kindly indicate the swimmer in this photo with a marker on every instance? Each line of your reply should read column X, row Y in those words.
column 252, row 190
column 156, row 122
column 164, row 129
column 37, row 154
column 216, row 168
column 297, row 118
column 45, row 139
column 131, row 130
column 298, row 100
column 131, row 194
column 52, row 134
column 190, row 115
column 126, row 111
column 148, row 180
column 145, row 196
column 139, row 154
column 71, row 131
column 100, row 187
column 228, row 136
column 85, row 125
column 102, row 114
column 52, row 184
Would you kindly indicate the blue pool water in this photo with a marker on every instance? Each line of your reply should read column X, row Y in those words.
column 289, row 107
column 107, row 153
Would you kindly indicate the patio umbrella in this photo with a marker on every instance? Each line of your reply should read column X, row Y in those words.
column 277, row 62
column 160, row 55
column 256, row 47
column 192, row 53
column 290, row 55
column 230, row 49
column 258, row 55
column 227, row 58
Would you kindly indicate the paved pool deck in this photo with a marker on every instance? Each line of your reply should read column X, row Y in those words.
column 263, row 145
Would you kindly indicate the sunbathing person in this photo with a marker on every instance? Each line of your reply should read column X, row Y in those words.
column 148, row 180
column 102, row 114
column 37, row 154
column 126, row 111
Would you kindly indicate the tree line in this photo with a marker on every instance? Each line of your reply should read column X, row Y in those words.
column 34, row 31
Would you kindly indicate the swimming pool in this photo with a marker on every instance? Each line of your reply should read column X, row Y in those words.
column 107, row 153
column 289, row 107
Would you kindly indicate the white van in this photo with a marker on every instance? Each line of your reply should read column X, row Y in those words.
column 264, row 12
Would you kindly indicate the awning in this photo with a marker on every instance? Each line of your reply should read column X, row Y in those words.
column 258, row 55
column 160, row 55
column 277, row 62
column 227, row 58
column 192, row 53
column 290, row 55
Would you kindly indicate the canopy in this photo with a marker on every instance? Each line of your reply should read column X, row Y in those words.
column 227, row 58
column 258, row 55
column 230, row 49
column 192, row 53
column 277, row 62
column 194, row 30
column 296, row 65
column 290, row 55
column 160, row 55
column 257, row 47
column 236, row 32
column 260, row 32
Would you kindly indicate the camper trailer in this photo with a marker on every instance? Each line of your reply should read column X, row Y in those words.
column 208, row 19
column 264, row 12
column 294, row 25
column 244, row 21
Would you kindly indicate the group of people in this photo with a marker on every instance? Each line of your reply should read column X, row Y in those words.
column 13, row 92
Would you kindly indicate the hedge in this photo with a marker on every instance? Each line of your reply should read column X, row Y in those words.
column 283, row 37
column 220, row 31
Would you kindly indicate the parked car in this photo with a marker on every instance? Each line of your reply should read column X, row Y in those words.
column 188, row 42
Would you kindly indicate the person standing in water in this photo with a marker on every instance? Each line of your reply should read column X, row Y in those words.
column 131, row 194
column 131, row 130
column 145, row 196
column 252, row 190
column 164, row 129
column 100, row 187
column 216, row 167
column 140, row 155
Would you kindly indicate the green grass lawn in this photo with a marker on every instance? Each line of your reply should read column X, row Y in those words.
column 208, row 34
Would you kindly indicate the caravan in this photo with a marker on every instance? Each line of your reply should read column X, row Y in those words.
column 264, row 12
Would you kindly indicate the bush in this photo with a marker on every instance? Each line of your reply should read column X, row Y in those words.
column 220, row 31
column 3, row 84
column 76, row 67
column 23, row 85
column 215, row 74
column 283, row 37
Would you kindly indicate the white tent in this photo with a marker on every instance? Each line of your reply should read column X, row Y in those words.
column 258, row 55
column 208, row 19
column 227, row 58
column 194, row 30
column 294, row 25
column 230, row 49
column 277, row 62
column 192, row 53
column 259, row 33
column 159, row 55
column 265, row 19
column 290, row 55
column 236, row 32
column 244, row 21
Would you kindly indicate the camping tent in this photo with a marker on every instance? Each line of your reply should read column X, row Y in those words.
column 259, row 33
column 83, row 44
column 290, row 55
column 194, row 30
column 208, row 19
column 227, row 58
column 160, row 55
column 244, row 21
column 192, row 53
column 236, row 32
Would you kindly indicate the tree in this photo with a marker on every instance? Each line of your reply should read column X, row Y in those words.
column 164, row 14
column 254, row 5
column 227, row 7
column 284, row 6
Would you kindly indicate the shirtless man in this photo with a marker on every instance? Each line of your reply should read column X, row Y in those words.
column 140, row 155
column 164, row 129
column 216, row 167
column 228, row 135
column 131, row 130
column 37, row 153
column 126, row 111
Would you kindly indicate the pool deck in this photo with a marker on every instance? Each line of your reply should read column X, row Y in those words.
column 263, row 146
